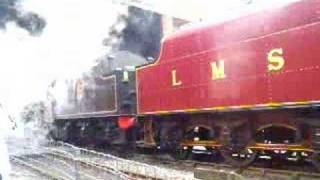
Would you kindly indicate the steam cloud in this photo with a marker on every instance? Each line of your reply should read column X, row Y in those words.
column 46, row 40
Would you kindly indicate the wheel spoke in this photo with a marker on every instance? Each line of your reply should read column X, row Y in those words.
column 235, row 148
column 241, row 158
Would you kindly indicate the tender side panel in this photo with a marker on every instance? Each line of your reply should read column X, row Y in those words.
column 247, row 81
column 105, row 90
column 300, row 79
column 86, row 97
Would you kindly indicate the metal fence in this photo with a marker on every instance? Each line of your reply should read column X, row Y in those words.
column 59, row 160
column 123, row 168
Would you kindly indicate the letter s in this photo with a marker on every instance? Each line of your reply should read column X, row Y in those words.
column 275, row 60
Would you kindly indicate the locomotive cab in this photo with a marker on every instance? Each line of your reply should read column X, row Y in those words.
column 96, row 110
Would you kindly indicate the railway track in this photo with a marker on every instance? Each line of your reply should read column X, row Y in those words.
column 132, row 169
column 211, row 170
column 58, row 160
column 223, row 171
column 36, row 170
column 54, row 167
column 64, row 161
column 218, row 169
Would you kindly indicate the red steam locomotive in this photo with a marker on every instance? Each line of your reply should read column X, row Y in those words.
column 246, row 87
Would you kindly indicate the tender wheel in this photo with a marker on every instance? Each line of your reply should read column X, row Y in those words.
column 181, row 154
column 235, row 149
column 238, row 157
column 315, row 160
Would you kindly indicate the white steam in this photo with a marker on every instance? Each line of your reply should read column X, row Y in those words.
column 69, row 44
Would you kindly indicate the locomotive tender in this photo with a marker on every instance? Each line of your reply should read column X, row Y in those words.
column 245, row 87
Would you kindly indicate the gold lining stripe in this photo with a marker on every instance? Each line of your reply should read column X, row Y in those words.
column 220, row 108
column 223, row 108
column 274, row 104
column 191, row 110
column 303, row 102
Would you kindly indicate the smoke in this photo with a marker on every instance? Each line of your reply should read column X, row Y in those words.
column 70, row 34
column 143, row 33
column 139, row 32
column 11, row 11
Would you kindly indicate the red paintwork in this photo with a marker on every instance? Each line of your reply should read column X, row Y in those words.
column 125, row 122
column 243, row 44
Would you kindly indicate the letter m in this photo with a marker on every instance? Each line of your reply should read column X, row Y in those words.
column 217, row 70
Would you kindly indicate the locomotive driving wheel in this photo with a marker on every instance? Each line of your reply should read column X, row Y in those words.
column 235, row 142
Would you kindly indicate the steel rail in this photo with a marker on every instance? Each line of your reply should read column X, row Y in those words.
column 125, row 166
column 113, row 171
column 81, row 173
column 35, row 160
column 257, row 171
column 126, row 171
column 42, row 171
